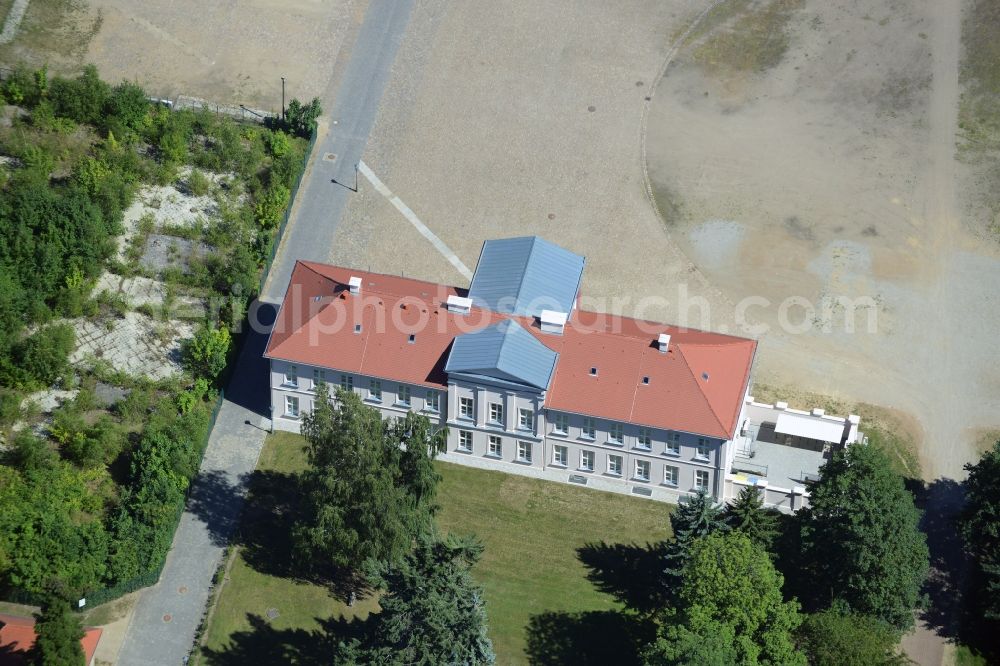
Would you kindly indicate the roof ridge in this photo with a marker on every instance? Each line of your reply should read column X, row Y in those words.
column 524, row 271
column 701, row 393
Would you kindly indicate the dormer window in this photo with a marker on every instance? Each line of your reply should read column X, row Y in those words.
column 412, row 338
column 645, row 380
column 593, row 372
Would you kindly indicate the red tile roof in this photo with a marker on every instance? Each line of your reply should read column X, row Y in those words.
column 697, row 387
column 17, row 635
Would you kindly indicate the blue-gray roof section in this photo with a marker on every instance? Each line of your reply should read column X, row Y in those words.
column 505, row 352
column 526, row 275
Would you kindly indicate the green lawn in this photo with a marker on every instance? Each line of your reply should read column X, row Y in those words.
column 531, row 530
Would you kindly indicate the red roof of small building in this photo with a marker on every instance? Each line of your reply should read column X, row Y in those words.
column 17, row 635
column 697, row 387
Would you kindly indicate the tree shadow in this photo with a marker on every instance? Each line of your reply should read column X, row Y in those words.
column 941, row 501
column 263, row 644
column 589, row 637
column 628, row 572
column 216, row 501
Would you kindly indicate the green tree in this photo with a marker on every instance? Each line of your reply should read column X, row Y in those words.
column 729, row 609
column 860, row 537
column 695, row 517
column 271, row 205
column 300, row 119
column 432, row 610
column 979, row 525
column 81, row 99
column 126, row 107
column 747, row 514
column 369, row 490
column 205, row 354
column 59, row 634
column 44, row 356
column 836, row 637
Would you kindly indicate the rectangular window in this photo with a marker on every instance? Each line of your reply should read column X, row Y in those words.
column 291, row 407
column 403, row 397
column 645, row 439
column 587, row 461
column 560, row 424
column 701, row 480
column 615, row 433
column 347, row 382
column 524, row 451
column 589, row 428
column 673, row 444
column 526, row 419
column 560, row 455
column 615, row 465
column 496, row 413
column 670, row 475
column 703, row 449
column 375, row 390
column 433, row 401
column 465, row 441
column 319, row 377
column 642, row 470
column 495, row 447
column 465, row 408
column 292, row 376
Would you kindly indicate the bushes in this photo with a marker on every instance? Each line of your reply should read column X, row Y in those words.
column 81, row 99
column 300, row 119
column 205, row 354
column 42, row 358
column 270, row 206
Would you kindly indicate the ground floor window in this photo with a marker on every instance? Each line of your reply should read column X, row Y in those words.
column 465, row 440
column 291, row 406
column 615, row 465
column 560, row 454
column 587, row 461
column 670, row 474
column 524, row 451
column 701, row 480
column 642, row 470
column 495, row 447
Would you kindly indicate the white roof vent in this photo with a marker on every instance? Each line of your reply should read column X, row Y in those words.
column 354, row 284
column 663, row 342
column 553, row 322
column 459, row 305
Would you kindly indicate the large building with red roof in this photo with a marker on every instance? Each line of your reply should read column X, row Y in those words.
column 523, row 379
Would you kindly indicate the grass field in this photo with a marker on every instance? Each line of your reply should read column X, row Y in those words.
column 530, row 529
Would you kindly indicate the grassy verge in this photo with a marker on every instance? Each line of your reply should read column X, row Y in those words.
column 531, row 530
column 54, row 31
column 744, row 36
column 885, row 428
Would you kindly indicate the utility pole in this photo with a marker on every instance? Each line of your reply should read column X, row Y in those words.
column 282, row 99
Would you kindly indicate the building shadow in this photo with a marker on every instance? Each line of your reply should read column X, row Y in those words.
column 264, row 644
column 247, row 386
column 216, row 502
column 628, row 572
column 587, row 638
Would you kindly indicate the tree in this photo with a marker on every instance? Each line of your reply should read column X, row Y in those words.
column 300, row 119
column 747, row 514
column 836, row 637
column 979, row 525
column 696, row 516
column 432, row 610
column 205, row 354
column 861, row 541
column 59, row 634
column 126, row 107
column 729, row 609
column 370, row 487
column 81, row 99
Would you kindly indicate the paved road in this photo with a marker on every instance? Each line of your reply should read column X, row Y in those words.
column 321, row 202
column 167, row 615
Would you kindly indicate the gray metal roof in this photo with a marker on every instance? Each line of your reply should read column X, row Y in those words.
column 504, row 351
column 525, row 276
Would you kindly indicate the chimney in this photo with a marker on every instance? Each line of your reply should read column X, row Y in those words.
column 663, row 342
column 459, row 305
column 553, row 322
column 354, row 284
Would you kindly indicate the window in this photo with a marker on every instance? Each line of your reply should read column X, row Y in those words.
column 701, row 480
column 465, row 441
column 495, row 447
column 403, row 397
column 560, row 455
column 589, row 428
column 615, row 433
column 560, row 423
column 587, row 461
column 465, row 408
column 433, row 403
column 615, row 465
column 496, row 413
column 375, row 390
column 292, row 376
column 670, row 475
column 642, row 470
column 645, row 439
column 291, row 407
column 524, row 452
column 673, row 444
column 347, row 382
column 319, row 377
column 526, row 419
column 703, row 449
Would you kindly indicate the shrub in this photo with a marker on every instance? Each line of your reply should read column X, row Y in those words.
column 198, row 182
column 81, row 99
column 277, row 143
column 126, row 107
column 300, row 119
column 44, row 356
column 205, row 354
column 270, row 206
